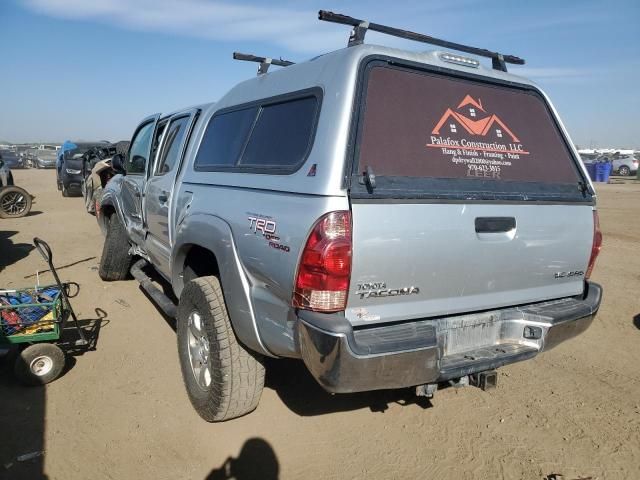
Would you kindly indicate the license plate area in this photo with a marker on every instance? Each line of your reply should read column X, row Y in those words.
column 468, row 332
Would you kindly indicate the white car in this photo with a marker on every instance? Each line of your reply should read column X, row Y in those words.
column 625, row 166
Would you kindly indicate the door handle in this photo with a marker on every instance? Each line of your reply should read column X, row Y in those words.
column 495, row 224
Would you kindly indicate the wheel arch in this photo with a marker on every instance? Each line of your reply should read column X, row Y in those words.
column 204, row 246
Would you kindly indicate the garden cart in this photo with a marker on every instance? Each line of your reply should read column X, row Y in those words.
column 33, row 320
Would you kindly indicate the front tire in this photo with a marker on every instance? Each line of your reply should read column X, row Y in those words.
column 115, row 260
column 223, row 379
column 39, row 364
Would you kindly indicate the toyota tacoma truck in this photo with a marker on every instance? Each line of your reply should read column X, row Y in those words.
column 391, row 218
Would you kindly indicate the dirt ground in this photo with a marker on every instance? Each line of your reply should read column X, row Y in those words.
column 121, row 412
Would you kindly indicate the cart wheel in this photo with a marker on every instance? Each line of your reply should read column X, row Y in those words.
column 39, row 364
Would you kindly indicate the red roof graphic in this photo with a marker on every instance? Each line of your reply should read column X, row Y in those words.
column 468, row 100
column 474, row 127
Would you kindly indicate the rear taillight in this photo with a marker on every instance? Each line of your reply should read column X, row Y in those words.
column 324, row 270
column 597, row 243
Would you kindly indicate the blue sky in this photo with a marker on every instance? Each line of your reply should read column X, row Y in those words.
column 91, row 69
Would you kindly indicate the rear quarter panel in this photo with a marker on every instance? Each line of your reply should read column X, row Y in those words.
column 266, row 231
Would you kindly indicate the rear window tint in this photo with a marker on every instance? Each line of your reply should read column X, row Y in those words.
column 224, row 138
column 282, row 134
column 418, row 124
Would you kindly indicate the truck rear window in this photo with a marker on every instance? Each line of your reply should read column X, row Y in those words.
column 419, row 124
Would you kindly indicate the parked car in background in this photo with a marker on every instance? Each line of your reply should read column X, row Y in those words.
column 69, row 166
column 97, row 170
column 620, row 165
column 624, row 165
column 15, row 202
column 11, row 158
column 325, row 212
column 6, row 178
column 45, row 156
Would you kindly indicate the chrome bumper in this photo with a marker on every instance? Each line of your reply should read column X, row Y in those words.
column 343, row 359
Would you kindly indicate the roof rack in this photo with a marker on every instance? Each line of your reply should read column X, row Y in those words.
column 360, row 28
column 265, row 62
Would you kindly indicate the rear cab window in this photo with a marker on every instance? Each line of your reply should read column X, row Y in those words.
column 429, row 134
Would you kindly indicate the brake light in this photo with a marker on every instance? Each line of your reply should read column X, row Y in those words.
column 597, row 243
column 324, row 271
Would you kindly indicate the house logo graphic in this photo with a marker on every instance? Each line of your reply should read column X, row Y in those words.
column 470, row 116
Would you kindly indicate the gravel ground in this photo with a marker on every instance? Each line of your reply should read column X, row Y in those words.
column 121, row 412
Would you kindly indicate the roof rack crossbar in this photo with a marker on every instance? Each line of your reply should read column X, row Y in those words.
column 265, row 62
column 360, row 28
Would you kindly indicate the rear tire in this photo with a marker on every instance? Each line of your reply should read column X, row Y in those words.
column 624, row 171
column 223, row 379
column 115, row 260
column 15, row 202
column 39, row 364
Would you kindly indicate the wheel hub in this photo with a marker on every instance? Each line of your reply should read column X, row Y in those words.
column 14, row 203
column 41, row 365
column 199, row 350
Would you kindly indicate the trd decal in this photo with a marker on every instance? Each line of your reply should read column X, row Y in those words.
column 267, row 228
column 262, row 225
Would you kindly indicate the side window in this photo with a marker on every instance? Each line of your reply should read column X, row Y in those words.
column 172, row 145
column 224, row 138
column 137, row 159
column 282, row 134
column 157, row 138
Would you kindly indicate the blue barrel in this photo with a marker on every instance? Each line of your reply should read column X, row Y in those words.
column 591, row 170
column 603, row 170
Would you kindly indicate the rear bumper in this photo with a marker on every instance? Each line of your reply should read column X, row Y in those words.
column 425, row 351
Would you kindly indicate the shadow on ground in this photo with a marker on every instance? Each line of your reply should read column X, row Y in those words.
column 255, row 460
column 23, row 409
column 33, row 213
column 304, row 396
column 11, row 252
column 296, row 387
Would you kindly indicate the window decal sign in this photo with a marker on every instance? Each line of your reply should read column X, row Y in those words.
column 468, row 129
column 429, row 125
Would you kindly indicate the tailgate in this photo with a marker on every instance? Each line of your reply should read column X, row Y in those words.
column 465, row 197
column 422, row 260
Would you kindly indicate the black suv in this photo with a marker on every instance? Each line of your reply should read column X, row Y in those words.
column 70, row 164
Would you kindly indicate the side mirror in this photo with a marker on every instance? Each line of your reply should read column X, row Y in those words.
column 117, row 162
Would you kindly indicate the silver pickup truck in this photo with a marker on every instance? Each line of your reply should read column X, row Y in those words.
column 392, row 218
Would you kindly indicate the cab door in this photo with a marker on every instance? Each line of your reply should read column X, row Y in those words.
column 159, row 189
column 136, row 166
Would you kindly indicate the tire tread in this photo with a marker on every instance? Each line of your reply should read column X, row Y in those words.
column 237, row 374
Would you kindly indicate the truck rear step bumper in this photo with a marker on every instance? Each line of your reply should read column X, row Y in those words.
column 343, row 359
